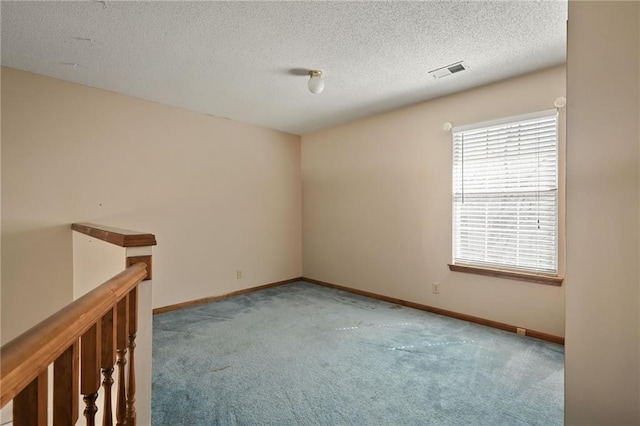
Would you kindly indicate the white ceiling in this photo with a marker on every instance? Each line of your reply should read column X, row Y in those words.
column 247, row 60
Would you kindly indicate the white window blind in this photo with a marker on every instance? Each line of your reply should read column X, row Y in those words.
column 505, row 194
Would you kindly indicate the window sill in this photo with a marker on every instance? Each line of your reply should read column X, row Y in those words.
column 521, row 276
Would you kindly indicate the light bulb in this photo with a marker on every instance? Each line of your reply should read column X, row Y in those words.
column 316, row 83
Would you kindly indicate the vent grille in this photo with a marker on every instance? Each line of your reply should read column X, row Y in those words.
column 456, row 68
column 448, row 70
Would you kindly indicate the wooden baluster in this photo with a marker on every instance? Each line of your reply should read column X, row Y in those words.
column 122, row 322
column 133, row 329
column 90, row 343
column 107, row 362
column 65, row 387
column 30, row 405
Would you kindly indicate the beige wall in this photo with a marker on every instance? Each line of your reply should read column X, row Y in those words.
column 377, row 205
column 219, row 195
column 94, row 262
column 603, row 333
column 1, row 337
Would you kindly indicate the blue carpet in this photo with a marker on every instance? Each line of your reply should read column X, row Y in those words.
column 302, row 354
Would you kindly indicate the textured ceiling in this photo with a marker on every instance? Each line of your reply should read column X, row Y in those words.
column 246, row 60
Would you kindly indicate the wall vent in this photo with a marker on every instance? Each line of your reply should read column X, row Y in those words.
column 448, row 70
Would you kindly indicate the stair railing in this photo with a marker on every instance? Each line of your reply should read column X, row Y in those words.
column 85, row 342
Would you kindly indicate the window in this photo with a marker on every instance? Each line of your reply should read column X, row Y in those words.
column 505, row 194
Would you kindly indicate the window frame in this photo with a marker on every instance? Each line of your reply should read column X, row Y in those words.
column 554, row 279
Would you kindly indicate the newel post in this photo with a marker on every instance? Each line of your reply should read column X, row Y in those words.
column 100, row 252
column 140, row 341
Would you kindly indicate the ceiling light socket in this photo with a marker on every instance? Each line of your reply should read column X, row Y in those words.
column 316, row 83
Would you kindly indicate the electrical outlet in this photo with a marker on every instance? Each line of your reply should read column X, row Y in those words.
column 239, row 274
column 521, row 331
column 436, row 288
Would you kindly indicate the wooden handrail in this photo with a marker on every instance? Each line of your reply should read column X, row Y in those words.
column 24, row 358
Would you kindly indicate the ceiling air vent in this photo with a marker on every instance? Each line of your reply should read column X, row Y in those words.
column 448, row 70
